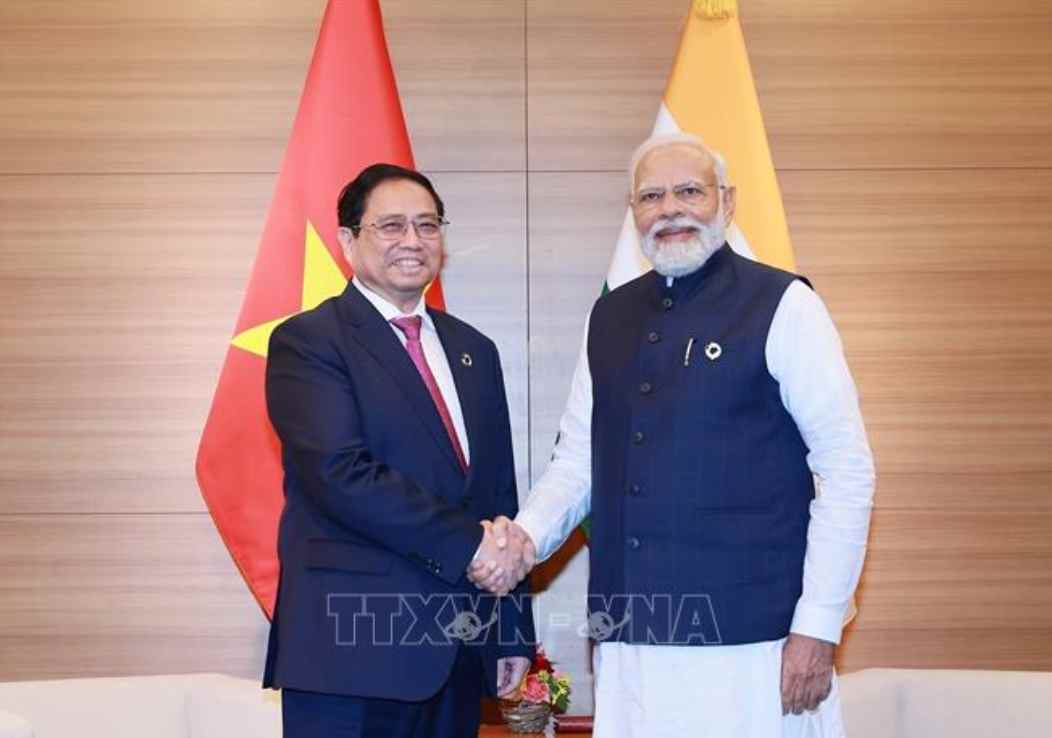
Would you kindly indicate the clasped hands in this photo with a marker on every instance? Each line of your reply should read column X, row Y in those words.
column 505, row 557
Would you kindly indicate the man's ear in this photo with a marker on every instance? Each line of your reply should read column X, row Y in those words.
column 730, row 201
column 346, row 238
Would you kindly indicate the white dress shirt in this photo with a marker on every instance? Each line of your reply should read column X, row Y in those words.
column 805, row 356
column 433, row 352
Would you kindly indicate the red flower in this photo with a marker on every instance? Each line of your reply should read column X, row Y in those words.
column 541, row 662
column 535, row 690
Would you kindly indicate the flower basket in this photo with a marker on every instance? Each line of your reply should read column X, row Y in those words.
column 525, row 717
column 543, row 691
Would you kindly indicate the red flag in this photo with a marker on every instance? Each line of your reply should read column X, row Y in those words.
column 349, row 117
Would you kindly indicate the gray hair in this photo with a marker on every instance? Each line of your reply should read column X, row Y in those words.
column 661, row 140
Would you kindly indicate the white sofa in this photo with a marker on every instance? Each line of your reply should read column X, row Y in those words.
column 170, row 706
column 935, row 703
column 878, row 703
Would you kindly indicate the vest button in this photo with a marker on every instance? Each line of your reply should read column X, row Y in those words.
column 645, row 388
column 653, row 337
column 634, row 490
column 633, row 543
column 667, row 303
column 637, row 438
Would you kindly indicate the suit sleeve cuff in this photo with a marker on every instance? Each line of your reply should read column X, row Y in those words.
column 453, row 563
column 824, row 623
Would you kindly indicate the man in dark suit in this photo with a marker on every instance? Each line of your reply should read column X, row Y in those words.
column 397, row 449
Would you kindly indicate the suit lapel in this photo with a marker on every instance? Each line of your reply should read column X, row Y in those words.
column 377, row 338
column 466, row 379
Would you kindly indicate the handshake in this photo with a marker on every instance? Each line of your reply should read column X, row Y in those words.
column 504, row 558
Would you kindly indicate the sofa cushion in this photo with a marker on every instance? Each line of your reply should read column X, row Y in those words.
column 976, row 704
column 932, row 703
column 222, row 706
column 870, row 701
column 124, row 707
column 13, row 726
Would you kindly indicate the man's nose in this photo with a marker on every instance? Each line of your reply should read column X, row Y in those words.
column 671, row 207
column 410, row 238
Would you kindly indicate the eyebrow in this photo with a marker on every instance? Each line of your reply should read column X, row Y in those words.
column 643, row 188
column 424, row 214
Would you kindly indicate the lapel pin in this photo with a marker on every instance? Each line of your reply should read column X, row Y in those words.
column 465, row 359
column 713, row 351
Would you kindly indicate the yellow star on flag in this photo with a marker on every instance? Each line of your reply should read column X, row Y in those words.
column 322, row 279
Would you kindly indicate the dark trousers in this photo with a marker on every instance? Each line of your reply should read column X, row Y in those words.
column 452, row 713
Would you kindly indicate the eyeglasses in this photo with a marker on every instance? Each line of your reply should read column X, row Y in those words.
column 428, row 228
column 689, row 193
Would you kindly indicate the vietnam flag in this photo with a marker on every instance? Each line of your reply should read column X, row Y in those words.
column 349, row 117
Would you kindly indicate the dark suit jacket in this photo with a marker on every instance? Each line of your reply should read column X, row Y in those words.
column 380, row 522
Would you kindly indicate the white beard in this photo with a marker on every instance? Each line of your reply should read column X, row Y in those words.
column 680, row 258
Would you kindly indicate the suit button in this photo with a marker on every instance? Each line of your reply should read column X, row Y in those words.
column 633, row 543
column 437, row 568
column 637, row 438
column 653, row 337
column 667, row 303
column 645, row 388
column 634, row 490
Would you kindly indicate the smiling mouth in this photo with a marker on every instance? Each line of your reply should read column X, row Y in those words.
column 408, row 262
column 677, row 232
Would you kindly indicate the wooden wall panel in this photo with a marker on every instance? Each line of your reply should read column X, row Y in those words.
column 110, row 86
column 485, row 279
column 1006, row 648
column 596, row 74
column 939, row 284
column 945, row 570
column 462, row 77
column 574, row 222
column 118, row 295
column 903, row 84
column 842, row 85
column 101, row 595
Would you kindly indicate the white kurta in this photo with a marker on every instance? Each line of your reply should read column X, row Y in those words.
column 724, row 691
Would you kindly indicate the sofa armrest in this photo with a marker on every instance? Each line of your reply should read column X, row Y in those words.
column 12, row 726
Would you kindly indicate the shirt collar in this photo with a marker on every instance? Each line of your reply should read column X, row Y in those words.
column 389, row 311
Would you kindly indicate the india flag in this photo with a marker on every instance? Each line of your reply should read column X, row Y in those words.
column 711, row 94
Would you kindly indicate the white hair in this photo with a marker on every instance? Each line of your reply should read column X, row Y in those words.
column 661, row 140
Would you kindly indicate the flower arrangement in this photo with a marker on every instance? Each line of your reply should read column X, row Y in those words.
column 545, row 685
column 542, row 692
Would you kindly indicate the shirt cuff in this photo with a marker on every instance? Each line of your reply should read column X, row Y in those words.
column 533, row 527
column 823, row 623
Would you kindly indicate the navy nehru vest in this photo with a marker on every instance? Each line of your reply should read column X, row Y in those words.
column 700, row 484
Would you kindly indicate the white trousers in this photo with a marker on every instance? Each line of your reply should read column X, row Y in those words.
column 701, row 692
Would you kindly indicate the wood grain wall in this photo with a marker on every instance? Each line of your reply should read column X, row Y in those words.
column 138, row 148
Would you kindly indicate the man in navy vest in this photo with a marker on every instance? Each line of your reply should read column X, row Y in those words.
column 396, row 443
column 710, row 395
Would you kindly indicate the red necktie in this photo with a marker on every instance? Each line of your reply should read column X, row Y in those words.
column 410, row 326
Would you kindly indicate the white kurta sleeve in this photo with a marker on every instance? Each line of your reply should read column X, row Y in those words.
column 805, row 355
column 562, row 497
